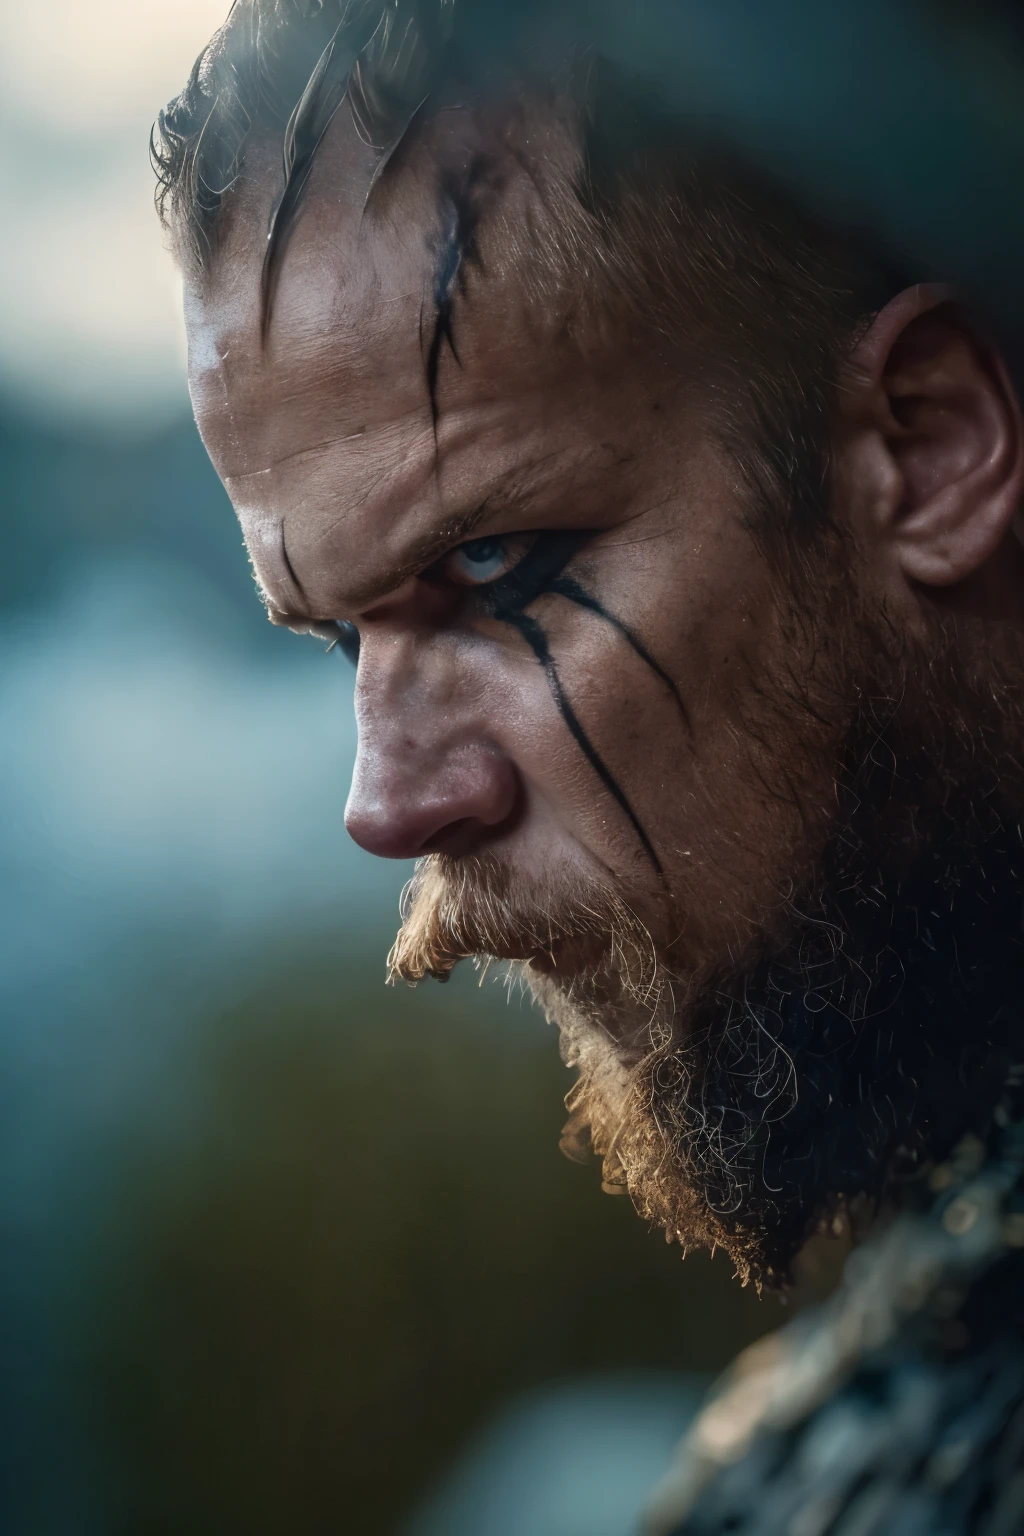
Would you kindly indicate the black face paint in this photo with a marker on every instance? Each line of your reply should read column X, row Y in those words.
column 567, row 587
column 537, row 640
column 457, row 251
column 540, row 571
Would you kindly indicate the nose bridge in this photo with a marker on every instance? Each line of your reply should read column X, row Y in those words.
column 428, row 776
column 404, row 699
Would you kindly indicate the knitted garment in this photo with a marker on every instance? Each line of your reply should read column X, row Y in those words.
column 897, row 1408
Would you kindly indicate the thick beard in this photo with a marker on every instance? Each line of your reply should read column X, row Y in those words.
column 777, row 1093
column 743, row 1105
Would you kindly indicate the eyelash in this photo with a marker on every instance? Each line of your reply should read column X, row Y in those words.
column 546, row 557
column 340, row 635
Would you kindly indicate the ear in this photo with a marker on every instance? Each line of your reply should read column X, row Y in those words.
column 935, row 438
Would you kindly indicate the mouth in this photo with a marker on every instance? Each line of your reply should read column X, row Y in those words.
column 571, row 933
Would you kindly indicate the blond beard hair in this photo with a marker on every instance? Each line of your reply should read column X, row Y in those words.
column 947, row 717
column 614, row 1018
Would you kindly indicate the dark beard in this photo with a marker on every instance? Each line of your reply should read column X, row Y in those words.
column 837, row 1069
column 744, row 1100
column 845, row 1054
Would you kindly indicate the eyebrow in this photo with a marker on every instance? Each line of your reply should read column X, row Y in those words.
column 515, row 489
column 432, row 546
column 423, row 554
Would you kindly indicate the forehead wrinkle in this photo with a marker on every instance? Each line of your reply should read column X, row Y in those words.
column 297, row 455
column 391, row 477
column 515, row 486
column 433, row 544
column 361, row 442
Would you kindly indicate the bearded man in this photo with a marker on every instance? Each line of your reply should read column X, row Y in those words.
column 673, row 534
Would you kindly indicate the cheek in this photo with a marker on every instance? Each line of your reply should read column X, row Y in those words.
column 749, row 812
column 690, row 753
column 587, row 705
column 692, row 724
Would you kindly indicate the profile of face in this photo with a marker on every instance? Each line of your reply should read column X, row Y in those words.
column 711, row 791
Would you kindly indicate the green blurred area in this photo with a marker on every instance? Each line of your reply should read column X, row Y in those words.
column 281, row 1240
column 296, row 1307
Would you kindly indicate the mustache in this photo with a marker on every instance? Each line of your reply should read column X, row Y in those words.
column 482, row 907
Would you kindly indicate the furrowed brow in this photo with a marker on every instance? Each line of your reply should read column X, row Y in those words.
column 433, row 545
column 516, row 490
column 421, row 554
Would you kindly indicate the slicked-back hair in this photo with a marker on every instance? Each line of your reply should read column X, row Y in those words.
column 760, row 300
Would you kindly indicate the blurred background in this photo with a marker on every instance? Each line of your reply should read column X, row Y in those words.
column 283, row 1250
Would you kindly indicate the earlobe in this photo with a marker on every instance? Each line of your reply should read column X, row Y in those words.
column 948, row 446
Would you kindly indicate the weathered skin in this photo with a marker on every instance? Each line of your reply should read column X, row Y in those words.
column 800, row 769
column 353, row 499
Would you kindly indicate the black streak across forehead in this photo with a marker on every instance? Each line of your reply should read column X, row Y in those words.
column 379, row 61
column 456, row 250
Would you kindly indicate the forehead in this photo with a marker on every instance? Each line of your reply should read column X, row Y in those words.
column 324, row 427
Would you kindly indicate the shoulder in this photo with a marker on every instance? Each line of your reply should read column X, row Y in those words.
column 901, row 1400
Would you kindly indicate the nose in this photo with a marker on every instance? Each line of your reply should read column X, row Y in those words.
column 408, row 799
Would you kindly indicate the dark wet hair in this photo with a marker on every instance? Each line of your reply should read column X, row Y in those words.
column 290, row 65
column 762, row 298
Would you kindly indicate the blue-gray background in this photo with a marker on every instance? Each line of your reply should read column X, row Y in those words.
column 283, row 1251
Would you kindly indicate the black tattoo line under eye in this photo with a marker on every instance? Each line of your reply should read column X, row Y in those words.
column 533, row 633
column 532, row 576
column 540, row 571
column 567, row 587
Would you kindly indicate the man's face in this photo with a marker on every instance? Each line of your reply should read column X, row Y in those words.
column 581, row 686
column 559, row 606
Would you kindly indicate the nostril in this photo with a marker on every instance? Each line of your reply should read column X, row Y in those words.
column 454, row 832
column 467, row 835
column 468, row 801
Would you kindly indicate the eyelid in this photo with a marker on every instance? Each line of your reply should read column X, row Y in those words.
column 438, row 573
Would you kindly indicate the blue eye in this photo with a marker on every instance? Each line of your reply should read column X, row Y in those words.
column 479, row 562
